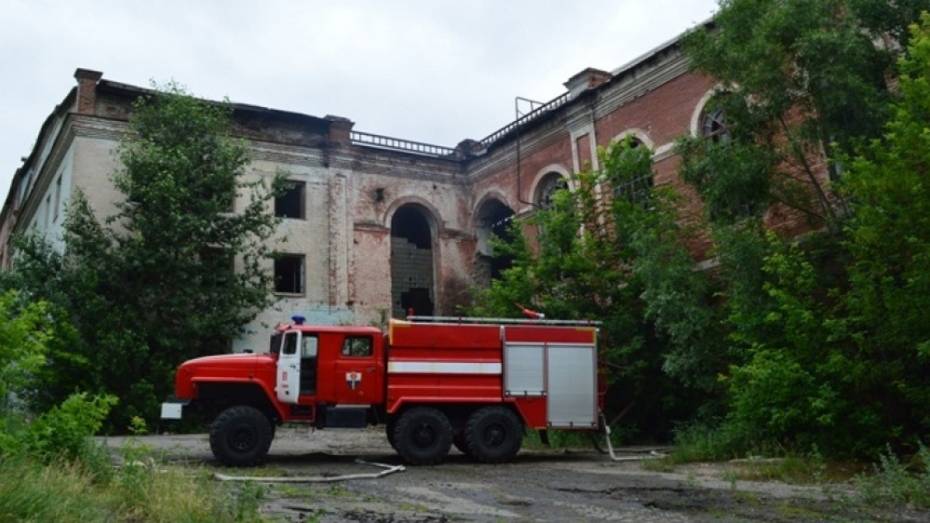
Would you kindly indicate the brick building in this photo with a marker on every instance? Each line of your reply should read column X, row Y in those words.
column 378, row 224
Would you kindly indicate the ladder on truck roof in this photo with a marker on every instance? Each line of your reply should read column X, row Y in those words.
column 509, row 321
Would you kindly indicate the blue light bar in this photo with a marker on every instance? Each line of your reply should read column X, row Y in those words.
column 298, row 319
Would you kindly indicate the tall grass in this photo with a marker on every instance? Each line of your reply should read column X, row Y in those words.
column 894, row 482
column 69, row 491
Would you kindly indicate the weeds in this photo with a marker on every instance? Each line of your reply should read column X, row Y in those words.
column 895, row 482
column 81, row 484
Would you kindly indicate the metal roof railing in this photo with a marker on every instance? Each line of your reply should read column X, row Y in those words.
column 551, row 105
column 398, row 144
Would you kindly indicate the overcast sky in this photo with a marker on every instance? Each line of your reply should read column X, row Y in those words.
column 436, row 70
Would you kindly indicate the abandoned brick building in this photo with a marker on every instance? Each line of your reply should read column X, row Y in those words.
column 376, row 224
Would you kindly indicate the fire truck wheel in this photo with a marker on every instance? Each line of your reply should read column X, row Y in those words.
column 459, row 441
column 389, row 429
column 423, row 436
column 240, row 436
column 493, row 434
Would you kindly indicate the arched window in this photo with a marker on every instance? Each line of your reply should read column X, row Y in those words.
column 635, row 190
column 550, row 184
column 713, row 125
column 493, row 219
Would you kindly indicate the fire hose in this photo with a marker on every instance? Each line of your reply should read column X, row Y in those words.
column 388, row 469
column 610, row 447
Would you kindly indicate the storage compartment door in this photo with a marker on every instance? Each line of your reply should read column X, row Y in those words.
column 524, row 369
column 572, row 386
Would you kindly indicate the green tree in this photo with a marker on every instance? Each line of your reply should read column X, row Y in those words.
column 888, row 240
column 155, row 283
column 24, row 335
column 827, row 338
column 609, row 250
column 803, row 81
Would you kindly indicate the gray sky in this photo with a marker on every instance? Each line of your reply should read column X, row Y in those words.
column 436, row 71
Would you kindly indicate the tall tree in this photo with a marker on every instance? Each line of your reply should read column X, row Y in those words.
column 176, row 272
column 609, row 250
column 802, row 82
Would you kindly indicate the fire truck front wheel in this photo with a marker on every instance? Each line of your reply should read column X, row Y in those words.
column 493, row 434
column 422, row 436
column 240, row 436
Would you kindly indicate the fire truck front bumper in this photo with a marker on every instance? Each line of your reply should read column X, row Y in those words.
column 172, row 409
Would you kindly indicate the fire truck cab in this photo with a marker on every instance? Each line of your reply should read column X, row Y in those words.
column 432, row 382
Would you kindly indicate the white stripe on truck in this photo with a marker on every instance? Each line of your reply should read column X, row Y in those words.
column 442, row 367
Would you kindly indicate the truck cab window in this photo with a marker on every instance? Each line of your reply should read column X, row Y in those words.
column 275, row 344
column 290, row 343
column 357, row 346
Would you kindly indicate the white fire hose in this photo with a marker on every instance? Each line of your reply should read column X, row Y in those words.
column 610, row 447
column 388, row 469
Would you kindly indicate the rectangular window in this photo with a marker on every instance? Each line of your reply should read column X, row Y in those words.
column 48, row 210
column 290, row 343
column 289, row 274
column 290, row 204
column 357, row 346
column 57, row 197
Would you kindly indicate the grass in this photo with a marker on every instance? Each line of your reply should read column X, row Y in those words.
column 895, row 482
column 72, row 491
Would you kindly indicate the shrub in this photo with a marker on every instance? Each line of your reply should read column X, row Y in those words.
column 64, row 431
column 67, row 492
column 893, row 483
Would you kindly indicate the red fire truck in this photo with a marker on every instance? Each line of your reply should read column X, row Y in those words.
column 432, row 382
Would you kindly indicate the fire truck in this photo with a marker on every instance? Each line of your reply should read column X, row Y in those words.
column 432, row 382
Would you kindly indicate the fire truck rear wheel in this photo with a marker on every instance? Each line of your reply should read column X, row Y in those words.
column 493, row 434
column 422, row 436
column 241, row 436
column 459, row 441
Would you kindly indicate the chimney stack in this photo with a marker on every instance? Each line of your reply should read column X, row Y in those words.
column 87, row 90
column 586, row 79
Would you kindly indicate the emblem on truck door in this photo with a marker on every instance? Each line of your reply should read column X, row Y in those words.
column 353, row 379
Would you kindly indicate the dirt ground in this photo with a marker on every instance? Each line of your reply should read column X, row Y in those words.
column 541, row 485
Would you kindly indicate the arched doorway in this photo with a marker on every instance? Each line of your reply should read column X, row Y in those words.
column 493, row 219
column 412, row 282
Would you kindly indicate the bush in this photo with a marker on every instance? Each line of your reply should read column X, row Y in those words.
column 67, row 492
column 23, row 344
column 64, row 432
column 706, row 442
column 893, row 483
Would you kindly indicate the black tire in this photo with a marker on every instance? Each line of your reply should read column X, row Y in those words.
column 459, row 441
column 241, row 436
column 422, row 436
column 493, row 434
column 389, row 430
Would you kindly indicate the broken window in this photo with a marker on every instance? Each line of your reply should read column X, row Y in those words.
column 411, row 262
column 290, row 204
column 494, row 218
column 289, row 274
column 714, row 125
column 550, row 184
column 636, row 190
